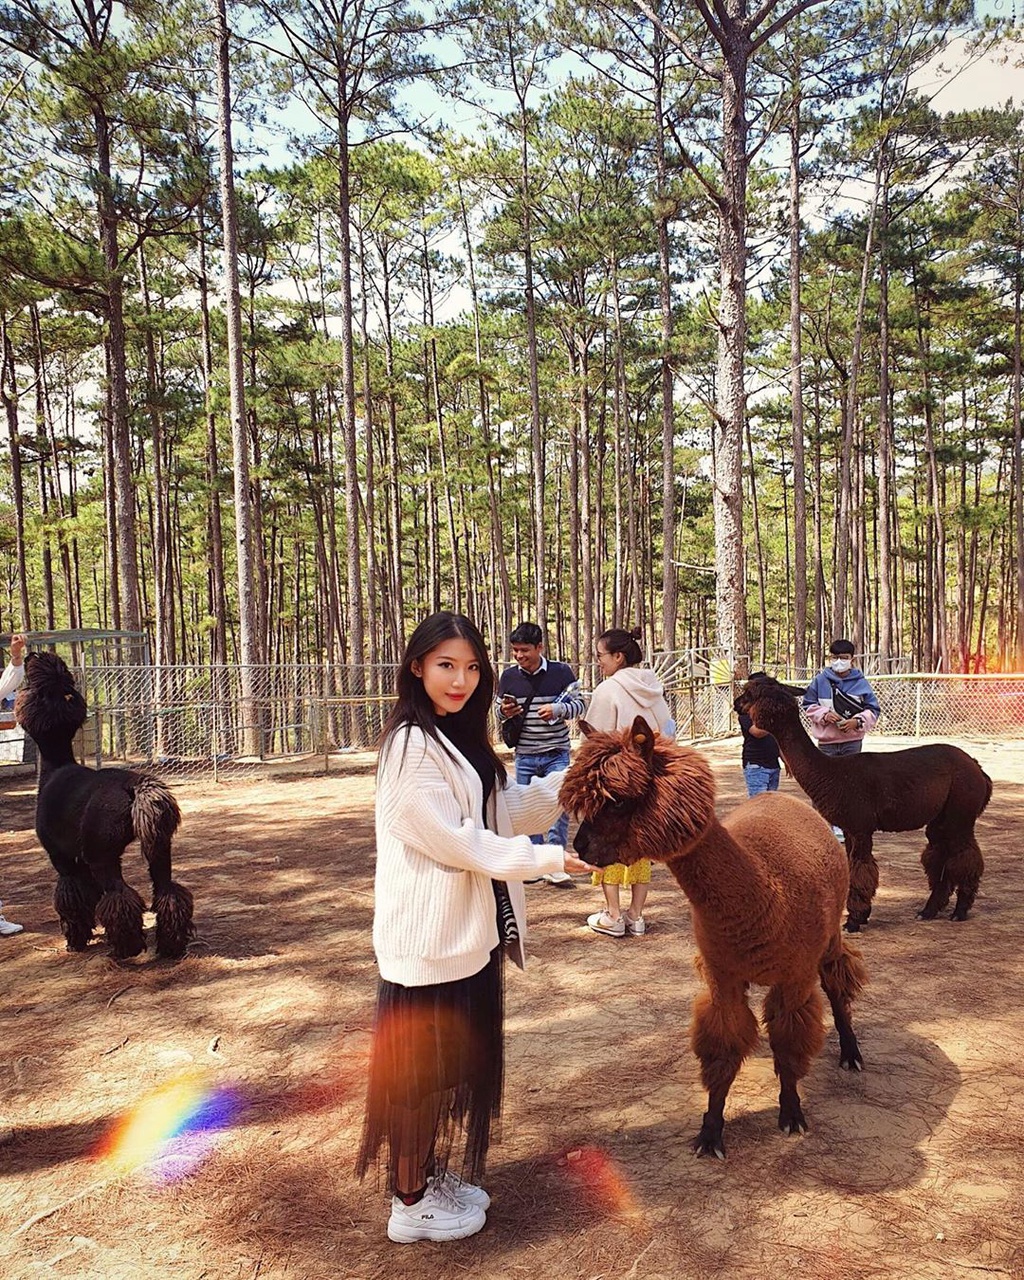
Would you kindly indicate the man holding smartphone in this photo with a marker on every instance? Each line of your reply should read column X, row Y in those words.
column 546, row 695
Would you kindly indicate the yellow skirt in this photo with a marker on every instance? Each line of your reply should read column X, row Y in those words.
column 618, row 873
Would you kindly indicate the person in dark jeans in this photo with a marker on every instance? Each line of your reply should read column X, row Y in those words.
column 547, row 695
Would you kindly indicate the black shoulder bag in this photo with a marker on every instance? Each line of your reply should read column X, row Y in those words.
column 847, row 705
column 512, row 728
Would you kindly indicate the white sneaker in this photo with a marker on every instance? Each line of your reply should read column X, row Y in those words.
column 839, row 833
column 561, row 879
column 601, row 922
column 465, row 1192
column 635, row 927
column 438, row 1216
column 8, row 927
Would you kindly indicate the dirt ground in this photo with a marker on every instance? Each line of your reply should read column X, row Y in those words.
column 913, row 1169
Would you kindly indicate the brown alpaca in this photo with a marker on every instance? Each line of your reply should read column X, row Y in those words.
column 938, row 787
column 767, row 887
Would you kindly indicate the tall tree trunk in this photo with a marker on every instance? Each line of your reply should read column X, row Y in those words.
column 246, row 550
column 124, row 489
column 669, row 578
column 730, row 392
column 886, row 603
column 1018, row 459
column 484, row 410
column 43, row 454
column 846, row 513
column 353, row 555
column 797, row 393
column 215, row 571
column 162, row 562
column 9, row 395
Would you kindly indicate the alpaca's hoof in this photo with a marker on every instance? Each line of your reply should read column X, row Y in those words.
column 703, row 1146
column 791, row 1119
column 128, row 950
column 927, row 913
column 851, row 925
column 709, row 1141
column 850, row 1060
column 959, row 914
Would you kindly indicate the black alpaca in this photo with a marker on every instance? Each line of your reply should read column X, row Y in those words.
column 938, row 787
column 86, row 818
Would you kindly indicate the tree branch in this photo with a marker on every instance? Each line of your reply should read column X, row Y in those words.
column 779, row 22
column 678, row 41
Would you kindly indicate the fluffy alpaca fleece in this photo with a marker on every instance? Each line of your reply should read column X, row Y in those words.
column 767, row 886
column 85, row 818
column 938, row 787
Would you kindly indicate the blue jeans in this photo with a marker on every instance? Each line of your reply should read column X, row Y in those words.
column 759, row 778
column 539, row 766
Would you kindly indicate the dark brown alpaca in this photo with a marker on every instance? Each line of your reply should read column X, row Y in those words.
column 86, row 818
column 767, row 886
column 938, row 787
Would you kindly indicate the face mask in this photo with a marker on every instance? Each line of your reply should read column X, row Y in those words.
column 841, row 665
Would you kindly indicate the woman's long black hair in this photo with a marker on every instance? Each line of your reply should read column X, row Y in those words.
column 414, row 707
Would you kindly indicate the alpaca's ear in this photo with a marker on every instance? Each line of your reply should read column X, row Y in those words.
column 584, row 728
column 797, row 691
column 641, row 738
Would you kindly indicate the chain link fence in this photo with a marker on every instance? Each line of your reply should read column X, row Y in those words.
column 223, row 722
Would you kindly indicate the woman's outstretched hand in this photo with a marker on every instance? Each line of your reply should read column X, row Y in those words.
column 576, row 866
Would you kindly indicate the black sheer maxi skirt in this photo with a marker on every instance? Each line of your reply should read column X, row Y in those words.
column 435, row 1046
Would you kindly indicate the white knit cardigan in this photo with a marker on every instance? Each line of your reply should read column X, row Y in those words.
column 434, row 910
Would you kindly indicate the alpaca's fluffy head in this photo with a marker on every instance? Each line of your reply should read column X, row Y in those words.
column 768, row 702
column 637, row 795
column 49, row 702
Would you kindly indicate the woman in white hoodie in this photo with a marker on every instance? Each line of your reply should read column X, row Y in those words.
column 627, row 691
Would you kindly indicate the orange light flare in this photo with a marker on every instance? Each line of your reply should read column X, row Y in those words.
column 600, row 1180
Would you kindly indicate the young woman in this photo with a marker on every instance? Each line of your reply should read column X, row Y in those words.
column 627, row 691
column 453, row 850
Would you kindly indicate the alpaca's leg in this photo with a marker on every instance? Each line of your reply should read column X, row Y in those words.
column 155, row 817
column 965, row 869
column 934, row 862
column 120, row 907
column 174, row 928
column 863, row 880
column 172, row 903
column 842, row 976
column 724, row 1032
column 951, row 860
column 75, row 896
column 120, row 911
column 792, row 1015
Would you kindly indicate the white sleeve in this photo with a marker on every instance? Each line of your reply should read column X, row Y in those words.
column 416, row 802
column 13, row 678
column 534, row 806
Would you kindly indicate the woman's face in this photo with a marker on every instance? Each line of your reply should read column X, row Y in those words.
column 609, row 662
column 450, row 674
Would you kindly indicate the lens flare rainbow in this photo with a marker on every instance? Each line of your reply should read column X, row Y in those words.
column 171, row 1129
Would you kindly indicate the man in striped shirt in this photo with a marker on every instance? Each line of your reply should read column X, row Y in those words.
column 547, row 695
